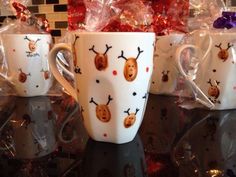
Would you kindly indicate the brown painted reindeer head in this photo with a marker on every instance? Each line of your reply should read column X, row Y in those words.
column 102, row 110
column 223, row 54
column 101, row 59
column 131, row 66
column 130, row 119
column 32, row 44
column 214, row 90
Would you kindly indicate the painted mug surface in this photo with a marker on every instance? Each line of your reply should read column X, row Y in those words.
column 26, row 58
column 112, row 73
column 165, row 72
column 215, row 77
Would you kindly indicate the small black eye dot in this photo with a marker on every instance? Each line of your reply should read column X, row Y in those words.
column 214, row 70
column 37, row 86
column 153, row 82
column 134, row 93
column 171, row 44
column 97, row 81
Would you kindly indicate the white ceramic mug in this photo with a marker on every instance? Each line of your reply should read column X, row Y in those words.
column 165, row 73
column 26, row 58
column 112, row 72
column 214, row 78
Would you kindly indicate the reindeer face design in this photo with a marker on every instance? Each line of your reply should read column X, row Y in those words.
column 32, row 44
column 46, row 74
column 131, row 66
column 22, row 76
column 102, row 110
column 130, row 69
column 103, row 113
column 165, row 76
column 223, row 54
column 130, row 119
column 214, row 90
column 101, row 59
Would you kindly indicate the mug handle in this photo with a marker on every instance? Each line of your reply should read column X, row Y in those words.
column 61, row 63
column 52, row 59
column 199, row 95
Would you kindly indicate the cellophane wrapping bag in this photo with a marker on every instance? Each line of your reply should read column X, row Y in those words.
column 170, row 23
column 210, row 65
column 36, row 38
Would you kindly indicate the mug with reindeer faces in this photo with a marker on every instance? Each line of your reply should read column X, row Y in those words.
column 165, row 73
column 26, row 57
column 214, row 78
column 112, row 73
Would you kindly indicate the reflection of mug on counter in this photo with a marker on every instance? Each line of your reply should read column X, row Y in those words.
column 112, row 72
column 212, row 76
column 106, row 159
column 209, row 146
column 26, row 60
column 32, row 129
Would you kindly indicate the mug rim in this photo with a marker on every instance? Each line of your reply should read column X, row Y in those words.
column 110, row 33
column 24, row 34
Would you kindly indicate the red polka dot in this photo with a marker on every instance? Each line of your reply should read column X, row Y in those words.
column 105, row 135
column 147, row 69
column 114, row 72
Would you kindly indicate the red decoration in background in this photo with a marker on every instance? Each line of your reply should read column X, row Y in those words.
column 160, row 16
column 76, row 14
column 23, row 14
column 170, row 15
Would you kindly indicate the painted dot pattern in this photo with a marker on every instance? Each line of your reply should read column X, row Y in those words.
column 114, row 72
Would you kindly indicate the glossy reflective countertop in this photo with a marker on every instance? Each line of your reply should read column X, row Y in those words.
column 45, row 137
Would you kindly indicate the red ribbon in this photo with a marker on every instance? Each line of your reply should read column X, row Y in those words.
column 25, row 15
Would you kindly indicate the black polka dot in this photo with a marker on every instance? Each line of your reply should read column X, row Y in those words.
column 134, row 93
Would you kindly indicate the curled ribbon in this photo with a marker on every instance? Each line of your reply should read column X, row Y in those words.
column 25, row 15
column 227, row 20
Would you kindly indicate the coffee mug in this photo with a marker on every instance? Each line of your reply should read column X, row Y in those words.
column 165, row 73
column 213, row 79
column 26, row 58
column 112, row 73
